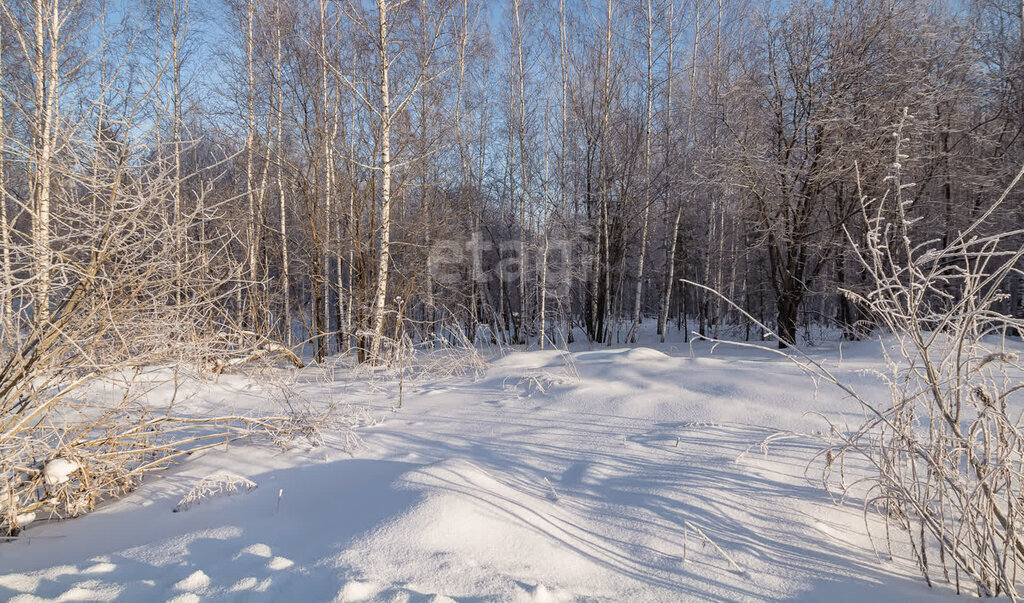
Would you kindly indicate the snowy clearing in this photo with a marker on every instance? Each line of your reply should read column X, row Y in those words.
column 594, row 475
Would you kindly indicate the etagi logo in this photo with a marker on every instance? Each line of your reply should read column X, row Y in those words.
column 451, row 262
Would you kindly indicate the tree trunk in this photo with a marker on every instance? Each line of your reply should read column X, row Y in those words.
column 7, row 284
column 178, row 32
column 251, row 312
column 671, row 278
column 380, row 297
column 286, row 285
column 46, row 77
column 647, row 173
column 788, row 312
column 670, row 259
column 522, row 335
column 327, row 136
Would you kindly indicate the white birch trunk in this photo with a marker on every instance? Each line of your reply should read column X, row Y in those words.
column 5, row 236
column 380, row 296
column 673, row 243
column 45, row 72
column 647, row 173
column 286, row 316
column 328, row 174
column 250, row 148
column 524, row 175
column 178, row 31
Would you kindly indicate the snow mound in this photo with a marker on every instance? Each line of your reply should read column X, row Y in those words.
column 543, row 594
column 646, row 354
column 472, row 530
column 522, row 361
column 100, row 568
column 59, row 470
column 197, row 580
column 258, row 550
column 20, row 582
column 358, row 591
column 251, row 583
column 91, row 590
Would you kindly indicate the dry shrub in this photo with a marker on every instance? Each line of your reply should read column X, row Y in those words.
column 122, row 298
column 948, row 448
column 945, row 453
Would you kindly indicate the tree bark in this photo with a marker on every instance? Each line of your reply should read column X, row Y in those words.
column 251, row 312
column 647, row 174
column 286, row 315
column 384, row 260
column 7, row 283
column 46, row 76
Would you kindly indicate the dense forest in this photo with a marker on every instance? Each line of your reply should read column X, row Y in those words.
column 356, row 176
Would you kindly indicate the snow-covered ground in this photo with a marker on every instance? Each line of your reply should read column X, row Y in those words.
column 549, row 477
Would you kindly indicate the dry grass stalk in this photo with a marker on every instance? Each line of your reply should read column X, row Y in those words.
column 946, row 453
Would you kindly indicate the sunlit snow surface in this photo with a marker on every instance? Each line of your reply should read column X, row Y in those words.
column 550, row 477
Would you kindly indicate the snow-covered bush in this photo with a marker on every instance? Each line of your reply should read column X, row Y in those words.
column 946, row 451
column 119, row 301
column 948, row 446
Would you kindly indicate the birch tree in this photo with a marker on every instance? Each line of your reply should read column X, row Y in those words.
column 648, row 181
column 383, row 31
column 7, row 308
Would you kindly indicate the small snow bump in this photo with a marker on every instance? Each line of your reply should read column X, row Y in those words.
column 24, row 519
column 20, row 582
column 197, row 580
column 280, row 563
column 59, row 470
column 258, row 549
column 100, row 568
column 91, row 590
column 358, row 591
column 244, row 584
column 646, row 354
column 543, row 594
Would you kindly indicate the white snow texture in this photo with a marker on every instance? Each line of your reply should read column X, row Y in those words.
column 614, row 474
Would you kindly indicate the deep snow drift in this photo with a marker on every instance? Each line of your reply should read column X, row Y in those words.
column 550, row 477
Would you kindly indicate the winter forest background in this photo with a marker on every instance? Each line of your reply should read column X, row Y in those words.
column 369, row 173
